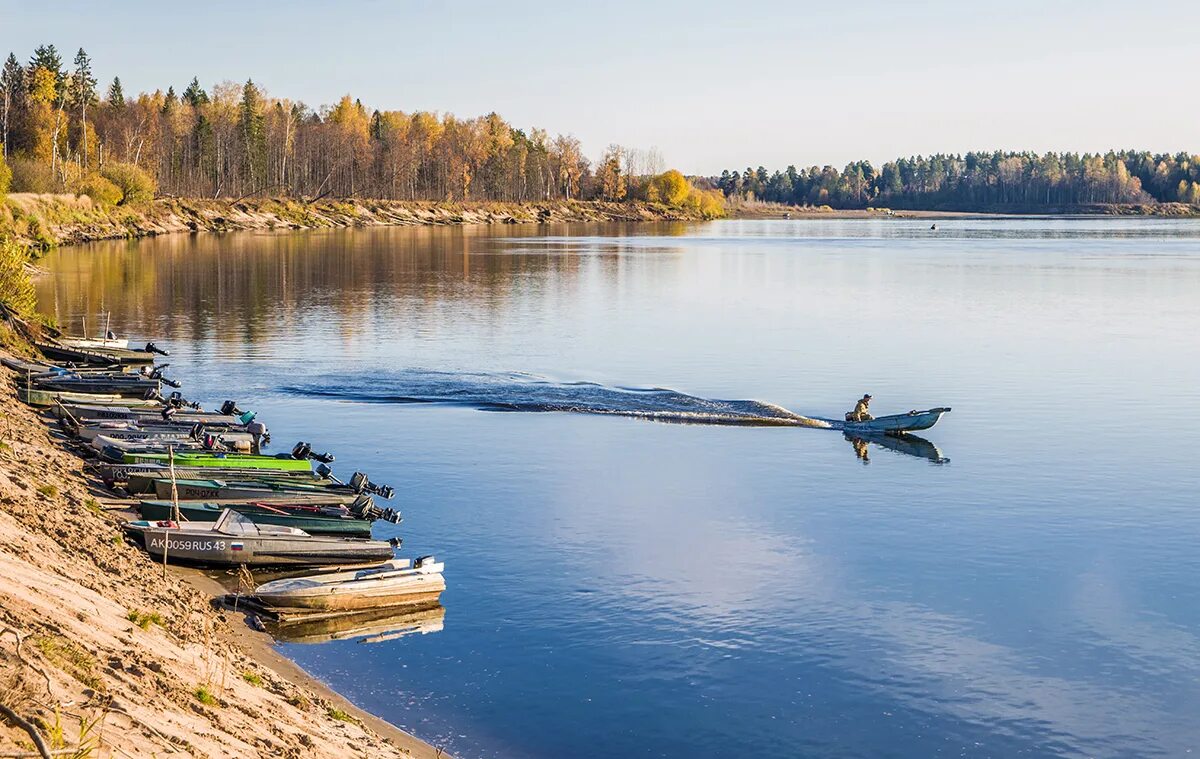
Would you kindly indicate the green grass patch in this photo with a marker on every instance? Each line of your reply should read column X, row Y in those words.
column 71, row 658
column 205, row 696
column 48, row 491
column 253, row 678
column 338, row 714
column 144, row 619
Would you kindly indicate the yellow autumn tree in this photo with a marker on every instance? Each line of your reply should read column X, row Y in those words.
column 670, row 187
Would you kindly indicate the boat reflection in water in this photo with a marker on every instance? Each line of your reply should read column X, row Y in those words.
column 374, row 626
column 907, row 444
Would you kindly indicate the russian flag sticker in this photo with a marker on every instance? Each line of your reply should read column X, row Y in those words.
column 237, row 546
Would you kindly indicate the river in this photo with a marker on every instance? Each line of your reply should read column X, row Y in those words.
column 1023, row 579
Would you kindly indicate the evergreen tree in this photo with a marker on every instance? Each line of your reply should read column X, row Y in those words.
column 12, row 92
column 83, row 94
column 47, row 57
column 116, row 95
column 169, row 102
column 252, row 127
column 195, row 94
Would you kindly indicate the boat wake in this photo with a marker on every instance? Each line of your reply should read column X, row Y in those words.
column 530, row 393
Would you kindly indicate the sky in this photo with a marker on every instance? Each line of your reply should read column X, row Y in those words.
column 710, row 85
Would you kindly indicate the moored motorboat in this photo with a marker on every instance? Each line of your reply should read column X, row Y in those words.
column 86, row 343
column 193, row 459
column 396, row 583
column 58, row 351
column 257, row 489
column 120, row 474
column 315, row 519
column 233, row 540
column 260, row 486
column 38, row 397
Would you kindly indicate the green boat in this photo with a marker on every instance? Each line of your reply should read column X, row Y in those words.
column 313, row 520
column 283, row 462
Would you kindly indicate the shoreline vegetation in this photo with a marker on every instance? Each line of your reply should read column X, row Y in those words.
column 1002, row 182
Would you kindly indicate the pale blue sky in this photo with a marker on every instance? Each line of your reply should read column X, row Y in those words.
column 712, row 85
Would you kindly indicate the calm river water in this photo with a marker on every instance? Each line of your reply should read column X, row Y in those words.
column 619, row 586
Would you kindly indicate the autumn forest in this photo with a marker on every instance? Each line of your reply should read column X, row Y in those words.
column 63, row 131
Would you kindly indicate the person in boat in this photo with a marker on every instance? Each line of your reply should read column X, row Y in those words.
column 861, row 412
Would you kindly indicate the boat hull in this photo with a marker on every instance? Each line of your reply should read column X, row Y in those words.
column 232, row 460
column 426, row 594
column 218, row 550
column 194, row 490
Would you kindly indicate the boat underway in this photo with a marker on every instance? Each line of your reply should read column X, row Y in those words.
column 233, row 540
column 395, row 583
column 913, row 421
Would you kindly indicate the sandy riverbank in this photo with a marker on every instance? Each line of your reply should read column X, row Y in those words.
column 116, row 656
column 48, row 220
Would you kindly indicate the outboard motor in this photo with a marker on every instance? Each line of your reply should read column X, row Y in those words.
column 170, row 382
column 421, row 561
column 303, row 450
column 324, row 471
column 168, row 412
column 360, row 484
column 229, row 408
column 176, row 399
column 197, row 431
column 152, row 348
column 261, row 435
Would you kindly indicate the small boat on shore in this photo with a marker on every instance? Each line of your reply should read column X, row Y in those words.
column 260, row 487
column 398, row 582
column 88, row 343
column 913, row 421
column 47, row 398
column 283, row 462
column 120, row 474
column 233, row 540
column 138, row 413
column 59, row 351
column 315, row 519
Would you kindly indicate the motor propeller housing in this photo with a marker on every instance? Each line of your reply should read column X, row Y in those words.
column 303, row 450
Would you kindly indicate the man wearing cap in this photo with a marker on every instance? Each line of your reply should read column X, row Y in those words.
column 861, row 412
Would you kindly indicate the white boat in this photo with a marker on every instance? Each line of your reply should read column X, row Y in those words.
column 913, row 421
column 86, row 343
column 398, row 582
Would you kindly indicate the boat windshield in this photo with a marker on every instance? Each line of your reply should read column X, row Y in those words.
column 232, row 523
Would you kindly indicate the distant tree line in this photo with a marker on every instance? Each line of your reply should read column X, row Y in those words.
column 62, row 132
column 979, row 181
